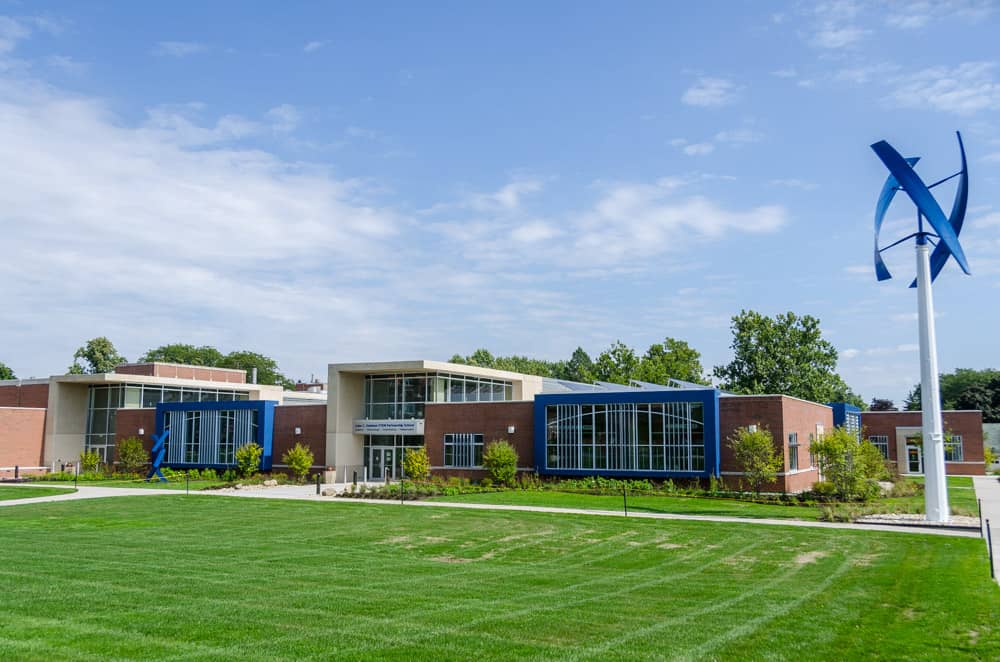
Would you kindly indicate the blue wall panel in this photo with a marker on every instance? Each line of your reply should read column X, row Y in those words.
column 265, row 424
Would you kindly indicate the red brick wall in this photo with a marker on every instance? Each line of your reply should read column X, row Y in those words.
column 969, row 424
column 22, row 433
column 489, row 419
column 184, row 372
column 24, row 395
column 780, row 415
column 311, row 419
column 129, row 421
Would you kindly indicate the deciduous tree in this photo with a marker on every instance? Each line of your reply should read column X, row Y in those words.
column 757, row 456
column 673, row 359
column 99, row 355
column 617, row 364
column 784, row 354
column 6, row 373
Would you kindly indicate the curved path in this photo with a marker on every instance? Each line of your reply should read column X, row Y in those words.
column 308, row 493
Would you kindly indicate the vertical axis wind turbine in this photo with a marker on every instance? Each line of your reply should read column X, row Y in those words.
column 945, row 230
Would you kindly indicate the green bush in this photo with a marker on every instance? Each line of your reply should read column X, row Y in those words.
column 248, row 459
column 299, row 460
column 132, row 457
column 416, row 464
column 90, row 462
column 486, row 482
column 756, row 455
column 854, row 467
column 500, row 459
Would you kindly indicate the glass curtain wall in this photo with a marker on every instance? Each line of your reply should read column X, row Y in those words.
column 104, row 402
column 208, row 437
column 403, row 396
column 665, row 436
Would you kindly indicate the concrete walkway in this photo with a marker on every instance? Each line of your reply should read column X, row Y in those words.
column 988, row 492
column 308, row 493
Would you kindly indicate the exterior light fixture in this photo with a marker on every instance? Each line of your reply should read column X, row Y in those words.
column 510, row 429
column 142, row 431
column 298, row 431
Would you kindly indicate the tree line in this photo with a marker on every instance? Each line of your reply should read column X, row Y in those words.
column 99, row 355
column 785, row 354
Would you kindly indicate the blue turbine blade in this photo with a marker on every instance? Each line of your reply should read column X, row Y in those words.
column 922, row 198
column 884, row 200
column 941, row 253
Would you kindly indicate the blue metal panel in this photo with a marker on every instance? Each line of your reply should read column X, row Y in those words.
column 265, row 424
column 840, row 412
column 708, row 397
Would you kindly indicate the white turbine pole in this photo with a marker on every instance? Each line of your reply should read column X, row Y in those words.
column 935, row 483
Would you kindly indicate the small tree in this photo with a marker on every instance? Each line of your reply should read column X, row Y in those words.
column 852, row 466
column 132, row 456
column 754, row 450
column 90, row 461
column 299, row 460
column 248, row 459
column 6, row 373
column 500, row 458
column 416, row 464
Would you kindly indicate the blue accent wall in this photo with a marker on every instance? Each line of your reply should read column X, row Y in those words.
column 708, row 397
column 265, row 424
column 840, row 412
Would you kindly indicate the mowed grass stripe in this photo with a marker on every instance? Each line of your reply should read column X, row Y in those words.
column 252, row 579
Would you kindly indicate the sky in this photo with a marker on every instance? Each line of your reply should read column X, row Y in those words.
column 326, row 182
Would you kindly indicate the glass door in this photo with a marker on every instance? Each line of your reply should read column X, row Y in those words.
column 380, row 460
column 914, row 459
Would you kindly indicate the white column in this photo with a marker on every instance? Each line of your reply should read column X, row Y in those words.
column 936, row 485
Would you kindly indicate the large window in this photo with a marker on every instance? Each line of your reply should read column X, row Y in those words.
column 463, row 450
column 793, row 451
column 663, row 436
column 881, row 442
column 104, row 402
column 403, row 396
column 953, row 451
column 208, row 437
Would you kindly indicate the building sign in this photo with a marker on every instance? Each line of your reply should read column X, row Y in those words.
column 413, row 426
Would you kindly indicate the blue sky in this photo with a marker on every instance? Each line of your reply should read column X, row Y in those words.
column 327, row 183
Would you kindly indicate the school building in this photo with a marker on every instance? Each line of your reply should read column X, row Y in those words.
column 372, row 412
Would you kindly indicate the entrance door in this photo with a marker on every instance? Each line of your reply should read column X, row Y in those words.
column 380, row 460
column 914, row 459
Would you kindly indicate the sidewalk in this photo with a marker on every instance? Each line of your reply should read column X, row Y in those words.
column 988, row 491
column 308, row 493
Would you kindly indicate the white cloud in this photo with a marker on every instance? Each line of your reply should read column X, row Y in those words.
column 867, row 73
column 313, row 46
column 965, row 89
column 788, row 72
column 284, row 118
column 699, row 149
column 179, row 124
column 991, row 158
column 11, row 32
column 908, row 347
column 839, row 37
column 849, row 353
column 710, row 93
column 178, row 48
column 916, row 15
column 794, row 183
column 66, row 64
column 533, row 232
column 739, row 136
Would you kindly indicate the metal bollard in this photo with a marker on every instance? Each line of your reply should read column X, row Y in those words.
column 989, row 542
column 355, row 477
column 17, row 472
column 625, row 496
column 979, row 503
column 318, row 484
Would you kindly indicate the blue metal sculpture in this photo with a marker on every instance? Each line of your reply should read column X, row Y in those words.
column 159, row 452
column 903, row 178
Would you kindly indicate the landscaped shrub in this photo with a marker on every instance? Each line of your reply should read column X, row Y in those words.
column 906, row 488
column 132, row 457
column 500, row 458
column 416, row 464
column 754, row 450
column 299, row 460
column 486, row 482
column 854, row 467
column 90, row 462
column 248, row 459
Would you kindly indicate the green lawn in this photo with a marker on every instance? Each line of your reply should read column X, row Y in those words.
column 961, row 499
column 204, row 577
column 11, row 492
column 177, row 484
column 649, row 504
